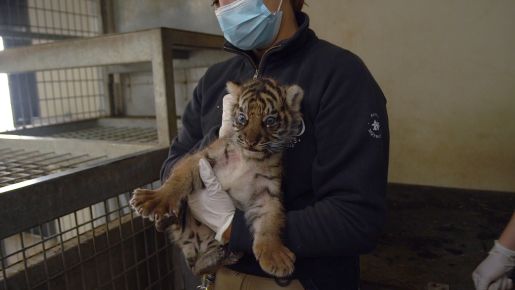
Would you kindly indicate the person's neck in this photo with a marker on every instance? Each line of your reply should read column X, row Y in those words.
column 288, row 28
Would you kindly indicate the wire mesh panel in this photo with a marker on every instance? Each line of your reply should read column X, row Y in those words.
column 71, row 94
column 58, row 96
column 17, row 165
column 118, row 134
column 27, row 22
column 103, row 246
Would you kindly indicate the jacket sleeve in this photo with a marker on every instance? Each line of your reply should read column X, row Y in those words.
column 190, row 137
column 349, row 173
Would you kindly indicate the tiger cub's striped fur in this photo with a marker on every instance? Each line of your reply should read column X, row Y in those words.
column 248, row 163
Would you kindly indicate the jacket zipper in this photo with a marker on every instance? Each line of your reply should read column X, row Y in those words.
column 242, row 53
column 261, row 65
column 259, row 68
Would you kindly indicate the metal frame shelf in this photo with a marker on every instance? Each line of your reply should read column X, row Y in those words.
column 118, row 51
column 52, row 175
column 156, row 46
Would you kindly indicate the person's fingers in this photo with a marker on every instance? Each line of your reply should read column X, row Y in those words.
column 226, row 127
column 481, row 284
column 228, row 102
column 496, row 285
column 208, row 176
column 205, row 171
column 503, row 283
column 506, row 284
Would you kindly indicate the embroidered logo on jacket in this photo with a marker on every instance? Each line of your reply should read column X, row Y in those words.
column 374, row 126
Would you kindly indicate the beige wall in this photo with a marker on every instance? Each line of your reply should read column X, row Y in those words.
column 448, row 70
column 446, row 66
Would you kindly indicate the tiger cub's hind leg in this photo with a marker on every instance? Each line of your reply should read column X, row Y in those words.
column 210, row 260
column 266, row 217
column 203, row 253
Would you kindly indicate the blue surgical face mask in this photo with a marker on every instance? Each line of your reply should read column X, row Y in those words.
column 248, row 24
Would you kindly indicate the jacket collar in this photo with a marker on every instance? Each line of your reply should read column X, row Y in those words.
column 297, row 41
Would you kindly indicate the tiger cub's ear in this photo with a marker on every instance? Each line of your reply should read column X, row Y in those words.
column 294, row 95
column 234, row 89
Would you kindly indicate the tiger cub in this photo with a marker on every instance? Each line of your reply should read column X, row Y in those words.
column 248, row 163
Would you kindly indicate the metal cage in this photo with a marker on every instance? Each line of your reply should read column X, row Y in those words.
column 76, row 152
column 75, row 230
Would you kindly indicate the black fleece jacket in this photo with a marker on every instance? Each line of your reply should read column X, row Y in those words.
column 334, row 179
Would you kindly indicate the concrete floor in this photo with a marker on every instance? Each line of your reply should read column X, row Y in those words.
column 435, row 235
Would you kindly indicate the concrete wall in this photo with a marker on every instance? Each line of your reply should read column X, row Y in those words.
column 138, row 88
column 448, row 70
column 194, row 15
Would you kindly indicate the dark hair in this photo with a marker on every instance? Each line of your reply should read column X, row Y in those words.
column 297, row 5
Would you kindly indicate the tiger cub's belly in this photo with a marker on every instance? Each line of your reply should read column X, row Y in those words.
column 236, row 177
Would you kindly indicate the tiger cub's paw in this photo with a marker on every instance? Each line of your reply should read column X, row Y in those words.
column 152, row 204
column 274, row 258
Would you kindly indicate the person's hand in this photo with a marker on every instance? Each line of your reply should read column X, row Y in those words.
column 211, row 206
column 499, row 262
column 226, row 127
column 503, row 283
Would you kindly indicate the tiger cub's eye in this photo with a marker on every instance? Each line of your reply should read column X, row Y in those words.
column 242, row 119
column 270, row 121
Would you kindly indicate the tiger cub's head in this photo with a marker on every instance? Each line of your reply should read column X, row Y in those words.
column 266, row 116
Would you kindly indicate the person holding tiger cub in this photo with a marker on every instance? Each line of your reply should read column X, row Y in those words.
column 334, row 178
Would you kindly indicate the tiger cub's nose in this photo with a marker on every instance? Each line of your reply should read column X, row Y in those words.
column 253, row 140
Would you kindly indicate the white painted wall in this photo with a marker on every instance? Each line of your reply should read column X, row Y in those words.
column 448, row 70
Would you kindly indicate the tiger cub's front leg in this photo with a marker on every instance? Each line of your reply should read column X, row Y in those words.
column 160, row 203
column 266, row 217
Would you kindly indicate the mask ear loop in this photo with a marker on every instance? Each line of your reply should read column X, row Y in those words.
column 296, row 138
column 302, row 129
column 278, row 8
